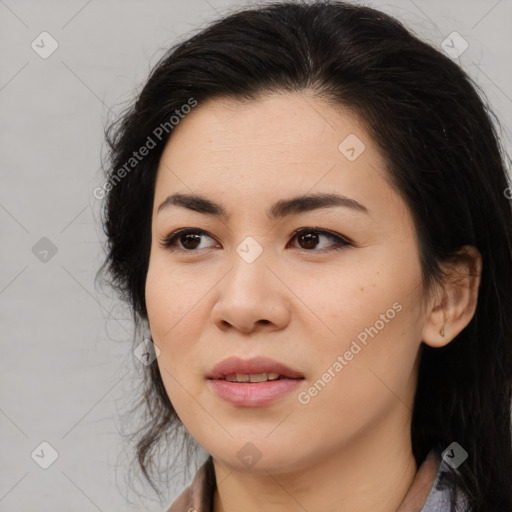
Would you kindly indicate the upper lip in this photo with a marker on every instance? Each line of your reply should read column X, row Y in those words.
column 233, row 365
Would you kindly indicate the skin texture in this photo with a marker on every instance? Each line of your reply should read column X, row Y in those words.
column 349, row 447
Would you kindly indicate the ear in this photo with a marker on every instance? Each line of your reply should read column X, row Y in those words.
column 455, row 303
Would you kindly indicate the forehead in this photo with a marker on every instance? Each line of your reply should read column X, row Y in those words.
column 247, row 156
column 288, row 119
column 292, row 138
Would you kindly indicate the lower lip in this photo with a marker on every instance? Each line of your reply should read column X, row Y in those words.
column 253, row 394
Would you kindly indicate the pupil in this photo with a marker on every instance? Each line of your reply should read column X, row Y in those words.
column 197, row 237
column 311, row 240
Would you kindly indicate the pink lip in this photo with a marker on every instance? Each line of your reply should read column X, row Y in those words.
column 253, row 394
column 253, row 365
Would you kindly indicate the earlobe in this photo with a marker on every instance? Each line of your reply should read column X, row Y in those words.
column 455, row 305
column 436, row 332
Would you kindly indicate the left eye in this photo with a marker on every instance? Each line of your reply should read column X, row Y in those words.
column 309, row 238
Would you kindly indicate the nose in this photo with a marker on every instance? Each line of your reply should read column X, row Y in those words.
column 252, row 297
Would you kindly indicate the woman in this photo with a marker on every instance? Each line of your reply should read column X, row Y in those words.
column 307, row 209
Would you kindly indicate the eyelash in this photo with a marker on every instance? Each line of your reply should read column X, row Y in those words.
column 169, row 242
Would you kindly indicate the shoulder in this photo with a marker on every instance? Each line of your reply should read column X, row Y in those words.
column 432, row 488
column 440, row 495
column 198, row 496
column 434, row 471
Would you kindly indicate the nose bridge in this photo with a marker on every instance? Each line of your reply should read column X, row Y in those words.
column 250, row 296
column 248, row 300
column 250, row 282
column 250, row 270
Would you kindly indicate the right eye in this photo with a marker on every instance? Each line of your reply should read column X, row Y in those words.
column 189, row 239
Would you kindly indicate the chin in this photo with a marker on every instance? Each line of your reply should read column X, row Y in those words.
column 259, row 456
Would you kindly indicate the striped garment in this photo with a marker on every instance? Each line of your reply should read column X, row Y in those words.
column 426, row 493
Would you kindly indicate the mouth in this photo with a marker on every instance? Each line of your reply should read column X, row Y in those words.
column 254, row 377
column 253, row 382
column 256, row 369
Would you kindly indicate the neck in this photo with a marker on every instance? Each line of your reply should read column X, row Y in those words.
column 374, row 472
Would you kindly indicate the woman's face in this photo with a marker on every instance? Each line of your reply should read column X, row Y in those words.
column 346, row 317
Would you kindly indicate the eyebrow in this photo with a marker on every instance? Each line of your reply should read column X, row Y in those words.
column 280, row 209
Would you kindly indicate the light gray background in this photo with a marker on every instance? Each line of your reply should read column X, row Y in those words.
column 66, row 364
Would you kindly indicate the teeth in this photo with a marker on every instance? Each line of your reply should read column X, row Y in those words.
column 253, row 377
column 257, row 377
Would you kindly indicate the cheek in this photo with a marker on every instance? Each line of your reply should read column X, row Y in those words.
column 355, row 385
column 372, row 330
column 173, row 306
column 172, row 299
column 348, row 301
